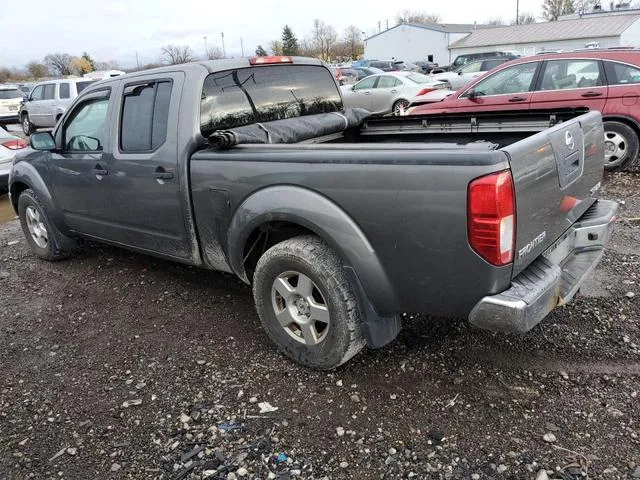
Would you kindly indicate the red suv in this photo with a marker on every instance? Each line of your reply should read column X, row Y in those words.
column 604, row 80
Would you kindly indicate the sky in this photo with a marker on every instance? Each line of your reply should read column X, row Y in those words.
column 118, row 30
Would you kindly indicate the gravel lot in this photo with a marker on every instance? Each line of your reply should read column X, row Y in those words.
column 118, row 365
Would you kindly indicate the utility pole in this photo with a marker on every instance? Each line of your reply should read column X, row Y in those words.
column 387, row 24
column 206, row 48
column 242, row 46
column 137, row 61
column 517, row 12
column 224, row 52
column 379, row 28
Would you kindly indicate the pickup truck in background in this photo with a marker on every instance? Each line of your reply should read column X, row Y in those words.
column 338, row 234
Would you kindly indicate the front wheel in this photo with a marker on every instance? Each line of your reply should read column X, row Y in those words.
column 306, row 303
column 400, row 106
column 42, row 236
column 27, row 126
column 620, row 146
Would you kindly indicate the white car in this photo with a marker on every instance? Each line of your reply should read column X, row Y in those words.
column 388, row 92
column 467, row 72
column 431, row 97
column 48, row 101
column 10, row 99
column 9, row 144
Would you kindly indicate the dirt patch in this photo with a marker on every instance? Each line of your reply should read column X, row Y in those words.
column 118, row 365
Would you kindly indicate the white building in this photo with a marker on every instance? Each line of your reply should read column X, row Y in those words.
column 612, row 29
column 412, row 42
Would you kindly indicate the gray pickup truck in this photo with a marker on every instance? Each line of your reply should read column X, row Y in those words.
column 338, row 234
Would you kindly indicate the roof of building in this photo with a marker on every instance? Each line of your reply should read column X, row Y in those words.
column 548, row 31
column 438, row 27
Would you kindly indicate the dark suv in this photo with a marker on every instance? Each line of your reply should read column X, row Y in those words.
column 472, row 57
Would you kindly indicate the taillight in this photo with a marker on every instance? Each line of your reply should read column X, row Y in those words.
column 424, row 91
column 16, row 144
column 273, row 59
column 492, row 217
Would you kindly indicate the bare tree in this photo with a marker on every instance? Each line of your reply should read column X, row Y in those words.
column 176, row 54
column 416, row 16
column 60, row 63
column 214, row 53
column 276, row 47
column 525, row 19
column 308, row 48
column 352, row 40
column 37, row 69
column 324, row 38
column 497, row 21
column 552, row 9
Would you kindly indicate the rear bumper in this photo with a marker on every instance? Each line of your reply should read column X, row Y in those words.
column 9, row 118
column 553, row 278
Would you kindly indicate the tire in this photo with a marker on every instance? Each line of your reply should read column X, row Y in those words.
column 27, row 126
column 396, row 106
column 620, row 146
column 313, row 342
column 43, row 237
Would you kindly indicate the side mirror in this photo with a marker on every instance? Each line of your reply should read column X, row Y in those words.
column 42, row 141
column 471, row 94
column 459, row 73
column 353, row 87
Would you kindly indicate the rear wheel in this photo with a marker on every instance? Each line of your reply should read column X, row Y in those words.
column 42, row 236
column 620, row 145
column 400, row 106
column 306, row 303
column 27, row 126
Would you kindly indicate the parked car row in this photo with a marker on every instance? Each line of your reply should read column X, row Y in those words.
column 604, row 80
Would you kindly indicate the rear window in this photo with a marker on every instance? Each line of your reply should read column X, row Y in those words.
column 260, row 94
column 64, row 91
column 80, row 86
column 50, row 91
column 10, row 94
column 145, row 114
column 419, row 78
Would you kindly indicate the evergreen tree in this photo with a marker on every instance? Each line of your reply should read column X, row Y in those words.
column 289, row 42
column 261, row 52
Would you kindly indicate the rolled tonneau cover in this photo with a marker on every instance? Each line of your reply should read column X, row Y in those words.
column 291, row 130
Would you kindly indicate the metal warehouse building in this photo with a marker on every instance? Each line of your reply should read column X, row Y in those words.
column 412, row 42
column 610, row 30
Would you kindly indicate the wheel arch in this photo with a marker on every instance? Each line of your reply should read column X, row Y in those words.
column 24, row 176
column 297, row 211
column 623, row 119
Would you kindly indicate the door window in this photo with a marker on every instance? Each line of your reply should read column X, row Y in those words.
column 387, row 82
column 472, row 67
column 145, row 113
column 489, row 64
column 567, row 74
column 84, row 132
column 50, row 91
column 64, row 91
column 38, row 93
column 621, row 74
column 365, row 84
column 514, row 79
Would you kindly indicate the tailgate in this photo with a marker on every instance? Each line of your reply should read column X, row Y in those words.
column 556, row 174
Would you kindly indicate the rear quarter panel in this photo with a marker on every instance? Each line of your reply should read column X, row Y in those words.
column 411, row 205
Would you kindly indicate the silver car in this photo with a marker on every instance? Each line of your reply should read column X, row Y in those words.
column 388, row 92
column 48, row 101
column 467, row 72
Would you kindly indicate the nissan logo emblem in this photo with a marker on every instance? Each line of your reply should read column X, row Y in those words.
column 568, row 139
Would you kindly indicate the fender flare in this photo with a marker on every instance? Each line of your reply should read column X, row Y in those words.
column 25, row 173
column 327, row 220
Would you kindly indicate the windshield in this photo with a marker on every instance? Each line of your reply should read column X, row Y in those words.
column 419, row 78
column 10, row 94
column 84, row 84
column 233, row 98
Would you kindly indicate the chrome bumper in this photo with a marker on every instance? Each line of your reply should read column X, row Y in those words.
column 553, row 278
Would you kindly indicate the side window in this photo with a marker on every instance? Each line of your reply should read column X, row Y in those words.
column 365, row 84
column 621, row 74
column 50, row 91
column 472, row 67
column 514, row 79
column 145, row 113
column 84, row 131
column 387, row 82
column 566, row 74
column 64, row 91
column 38, row 93
column 489, row 64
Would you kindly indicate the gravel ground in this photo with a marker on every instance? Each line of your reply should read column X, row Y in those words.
column 118, row 365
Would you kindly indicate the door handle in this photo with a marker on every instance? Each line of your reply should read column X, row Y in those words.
column 394, row 91
column 98, row 170
column 162, row 174
column 367, row 93
column 517, row 99
column 592, row 94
